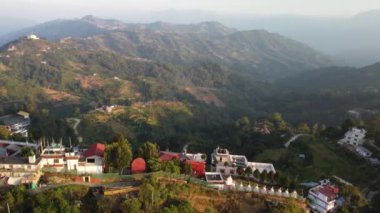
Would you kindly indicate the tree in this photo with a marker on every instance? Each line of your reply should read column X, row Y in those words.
column 264, row 176
column 171, row 166
column 243, row 124
column 118, row 155
column 271, row 176
column 131, row 206
column 248, row 171
column 240, row 170
column 186, row 169
column 278, row 121
column 4, row 133
column 256, row 173
column 303, row 128
column 27, row 151
column 149, row 151
column 347, row 124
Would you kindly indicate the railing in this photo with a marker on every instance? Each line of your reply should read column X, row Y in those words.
column 19, row 143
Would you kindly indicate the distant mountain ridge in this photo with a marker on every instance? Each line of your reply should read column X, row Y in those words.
column 267, row 55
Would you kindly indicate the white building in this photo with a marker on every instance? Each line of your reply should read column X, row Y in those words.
column 16, row 169
column 354, row 137
column 32, row 37
column 323, row 198
column 17, row 123
column 59, row 158
column 215, row 180
column 222, row 161
column 363, row 151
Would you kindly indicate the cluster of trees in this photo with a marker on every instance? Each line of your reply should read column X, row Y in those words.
column 18, row 199
column 119, row 155
column 153, row 196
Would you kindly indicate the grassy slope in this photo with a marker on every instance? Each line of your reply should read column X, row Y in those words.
column 328, row 158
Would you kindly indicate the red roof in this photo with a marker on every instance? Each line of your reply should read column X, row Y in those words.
column 199, row 167
column 167, row 156
column 329, row 191
column 96, row 149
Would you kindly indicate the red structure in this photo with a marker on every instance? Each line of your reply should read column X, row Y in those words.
column 199, row 167
column 197, row 164
column 96, row 149
column 138, row 166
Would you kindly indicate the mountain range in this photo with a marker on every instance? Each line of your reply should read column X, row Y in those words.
column 91, row 61
column 267, row 54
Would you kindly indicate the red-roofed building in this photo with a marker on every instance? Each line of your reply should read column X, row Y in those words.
column 138, row 166
column 199, row 167
column 96, row 149
column 198, row 164
column 323, row 197
column 167, row 156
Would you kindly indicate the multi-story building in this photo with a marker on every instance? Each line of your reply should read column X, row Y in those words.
column 60, row 158
column 17, row 123
column 354, row 137
column 16, row 169
column 224, row 162
column 322, row 198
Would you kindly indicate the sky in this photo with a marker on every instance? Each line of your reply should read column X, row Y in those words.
column 42, row 10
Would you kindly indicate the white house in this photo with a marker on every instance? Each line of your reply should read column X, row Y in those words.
column 354, row 137
column 322, row 198
column 60, row 158
column 222, row 161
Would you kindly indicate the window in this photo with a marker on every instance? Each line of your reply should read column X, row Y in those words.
column 222, row 171
column 56, row 160
column 232, row 172
column 90, row 160
column 29, row 167
column 220, row 159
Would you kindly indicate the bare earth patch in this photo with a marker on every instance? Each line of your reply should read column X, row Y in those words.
column 3, row 67
column 205, row 95
column 90, row 82
column 60, row 96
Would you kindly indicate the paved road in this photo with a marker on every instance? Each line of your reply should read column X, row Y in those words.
column 292, row 139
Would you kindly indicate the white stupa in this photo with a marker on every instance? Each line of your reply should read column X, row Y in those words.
column 230, row 182
column 286, row 193
column 241, row 187
column 256, row 189
column 263, row 190
column 271, row 191
column 294, row 194
column 249, row 188
column 279, row 192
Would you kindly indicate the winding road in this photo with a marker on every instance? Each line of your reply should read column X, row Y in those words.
column 75, row 127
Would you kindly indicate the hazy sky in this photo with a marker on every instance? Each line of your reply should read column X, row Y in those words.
column 51, row 9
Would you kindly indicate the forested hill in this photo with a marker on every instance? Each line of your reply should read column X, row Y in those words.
column 327, row 95
column 70, row 72
column 335, row 79
column 266, row 55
